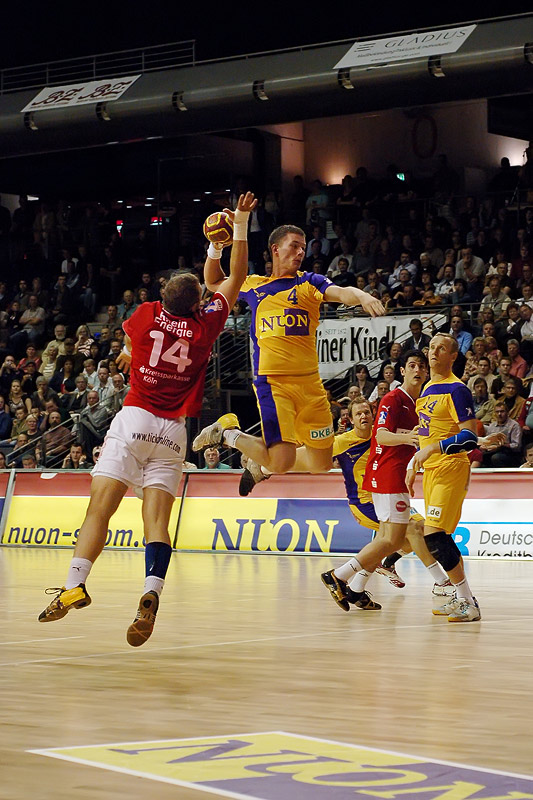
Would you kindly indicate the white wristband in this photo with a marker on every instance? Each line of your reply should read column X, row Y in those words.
column 214, row 252
column 410, row 464
column 126, row 350
column 240, row 226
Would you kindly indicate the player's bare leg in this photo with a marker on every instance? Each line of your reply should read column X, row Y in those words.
column 414, row 542
column 347, row 582
column 106, row 494
column 415, row 538
column 156, row 510
column 465, row 607
column 262, row 461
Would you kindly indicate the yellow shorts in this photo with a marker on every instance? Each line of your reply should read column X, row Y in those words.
column 368, row 519
column 445, row 488
column 296, row 412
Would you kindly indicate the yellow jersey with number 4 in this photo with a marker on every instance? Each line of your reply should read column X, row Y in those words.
column 441, row 407
column 285, row 316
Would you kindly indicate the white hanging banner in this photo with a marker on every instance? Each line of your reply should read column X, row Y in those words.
column 80, row 94
column 343, row 343
column 405, row 47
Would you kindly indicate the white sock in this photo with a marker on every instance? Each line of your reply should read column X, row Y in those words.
column 153, row 584
column 77, row 572
column 348, row 570
column 360, row 580
column 230, row 436
column 266, row 471
column 437, row 573
column 463, row 591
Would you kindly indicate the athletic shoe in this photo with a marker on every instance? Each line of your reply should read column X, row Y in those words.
column 142, row 626
column 444, row 610
column 64, row 600
column 392, row 575
column 212, row 434
column 465, row 611
column 338, row 589
column 252, row 474
column 362, row 601
column 443, row 589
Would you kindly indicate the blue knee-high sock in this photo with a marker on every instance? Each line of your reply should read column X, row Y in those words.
column 156, row 558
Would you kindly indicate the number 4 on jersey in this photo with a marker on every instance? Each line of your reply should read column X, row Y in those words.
column 182, row 361
column 292, row 296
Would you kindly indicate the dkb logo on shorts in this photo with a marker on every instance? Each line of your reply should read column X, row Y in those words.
column 321, row 433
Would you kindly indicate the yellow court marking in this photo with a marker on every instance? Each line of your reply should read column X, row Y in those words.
column 274, row 765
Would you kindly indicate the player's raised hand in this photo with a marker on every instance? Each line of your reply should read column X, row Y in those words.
column 372, row 305
column 247, row 202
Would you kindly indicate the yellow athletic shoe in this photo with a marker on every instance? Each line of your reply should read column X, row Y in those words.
column 64, row 601
column 212, row 434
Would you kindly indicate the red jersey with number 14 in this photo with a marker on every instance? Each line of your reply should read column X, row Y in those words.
column 170, row 355
column 387, row 466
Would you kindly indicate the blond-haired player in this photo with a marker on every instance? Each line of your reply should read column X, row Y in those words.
column 447, row 431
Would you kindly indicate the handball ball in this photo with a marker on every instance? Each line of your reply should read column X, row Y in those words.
column 218, row 228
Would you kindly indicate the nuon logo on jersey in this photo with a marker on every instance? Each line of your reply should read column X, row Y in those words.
column 293, row 322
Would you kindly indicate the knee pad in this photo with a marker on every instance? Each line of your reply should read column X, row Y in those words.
column 443, row 548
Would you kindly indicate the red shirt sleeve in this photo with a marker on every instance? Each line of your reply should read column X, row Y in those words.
column 215, row 314
column 387, row 413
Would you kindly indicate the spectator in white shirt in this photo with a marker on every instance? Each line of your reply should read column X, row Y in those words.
column 318, row 236
column 469, row 267
column 507, row 455
column 405, row 263
column 345, row 253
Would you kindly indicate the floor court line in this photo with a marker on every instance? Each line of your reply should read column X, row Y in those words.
column 339, row 632
column 53, row 639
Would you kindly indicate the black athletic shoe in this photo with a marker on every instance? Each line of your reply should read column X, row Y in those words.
column 338, row 589
column 362, row 601
column 252, row 474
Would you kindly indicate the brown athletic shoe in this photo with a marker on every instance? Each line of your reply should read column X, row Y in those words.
column 64, row 600
column 142, row 626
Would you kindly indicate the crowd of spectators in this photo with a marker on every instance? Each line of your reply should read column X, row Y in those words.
column 69, row 281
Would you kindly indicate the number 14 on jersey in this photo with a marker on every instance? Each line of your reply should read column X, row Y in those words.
column 177, row 353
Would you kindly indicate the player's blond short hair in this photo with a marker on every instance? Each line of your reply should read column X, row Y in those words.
column 452, row 339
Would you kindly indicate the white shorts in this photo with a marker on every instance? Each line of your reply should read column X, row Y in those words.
column 143, row 450
column 392, row 507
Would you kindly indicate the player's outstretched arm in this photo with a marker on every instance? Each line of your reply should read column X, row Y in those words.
column 465, row 440
column 215, row 279
column 351, row 296
column 390, row 439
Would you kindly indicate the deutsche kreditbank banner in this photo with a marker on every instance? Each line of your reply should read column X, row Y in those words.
column 341, row 343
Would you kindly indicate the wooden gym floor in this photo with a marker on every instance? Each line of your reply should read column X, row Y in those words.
column 253, row 643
